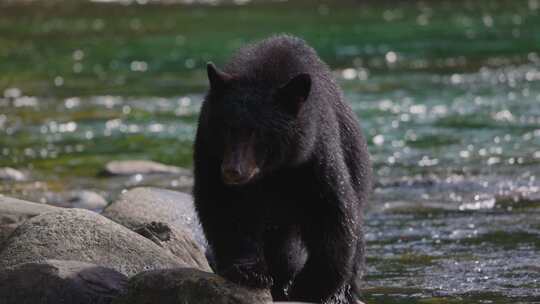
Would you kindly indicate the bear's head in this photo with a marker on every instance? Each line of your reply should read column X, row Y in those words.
column 254, row 124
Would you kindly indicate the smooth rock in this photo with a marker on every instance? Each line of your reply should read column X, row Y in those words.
column 141, row 206
column 55, row 281
column 131, row 167
column 81, row 235
column 10, row 174
column 85, row 199
column 187, row 285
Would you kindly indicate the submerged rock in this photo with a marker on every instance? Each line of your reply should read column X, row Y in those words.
column 177, row 182
column 81, row 235
column 141, row 206
column 187, row 285
column 131, row 167
column 10, row 174
column 55, row 281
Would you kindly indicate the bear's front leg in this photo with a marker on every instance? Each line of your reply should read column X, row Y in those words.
column 331, row 237
column 327, row 271
column 237, row 246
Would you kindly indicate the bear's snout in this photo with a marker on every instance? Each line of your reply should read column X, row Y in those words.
column 239, row 165
column 236, row 175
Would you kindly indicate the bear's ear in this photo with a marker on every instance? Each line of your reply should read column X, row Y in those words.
column 294, row 93
column 217, row 78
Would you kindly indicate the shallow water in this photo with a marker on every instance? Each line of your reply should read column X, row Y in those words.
column 447, row 91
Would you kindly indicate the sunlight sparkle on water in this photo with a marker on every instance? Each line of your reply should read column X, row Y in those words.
column 447, row 93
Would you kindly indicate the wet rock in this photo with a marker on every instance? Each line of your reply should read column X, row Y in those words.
column 176, row 241
column 131, row 167
column 141, row 206
column 55, row 281
column 81, row 235
column 10, row 174
column 187, row 285
column 82, row 199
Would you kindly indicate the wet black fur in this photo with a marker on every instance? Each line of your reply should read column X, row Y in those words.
column 298, row 227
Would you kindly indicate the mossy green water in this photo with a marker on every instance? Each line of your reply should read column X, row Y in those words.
column 93, row 47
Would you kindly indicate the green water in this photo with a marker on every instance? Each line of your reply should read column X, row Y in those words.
column 447, row 91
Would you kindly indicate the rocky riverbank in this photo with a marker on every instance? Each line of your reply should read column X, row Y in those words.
column 145, row 247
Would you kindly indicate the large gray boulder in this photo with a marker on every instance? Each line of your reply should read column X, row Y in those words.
column 141, row 206
column 81, row 235
column 187, row 285
column 53, row 281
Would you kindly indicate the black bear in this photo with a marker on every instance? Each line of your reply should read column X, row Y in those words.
column 282, row 174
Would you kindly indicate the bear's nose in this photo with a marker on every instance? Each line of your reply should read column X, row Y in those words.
column 232, row 175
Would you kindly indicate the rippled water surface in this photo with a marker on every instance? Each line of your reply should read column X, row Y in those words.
column 447, row 91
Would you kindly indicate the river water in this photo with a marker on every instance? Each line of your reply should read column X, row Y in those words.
column 448, row 93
